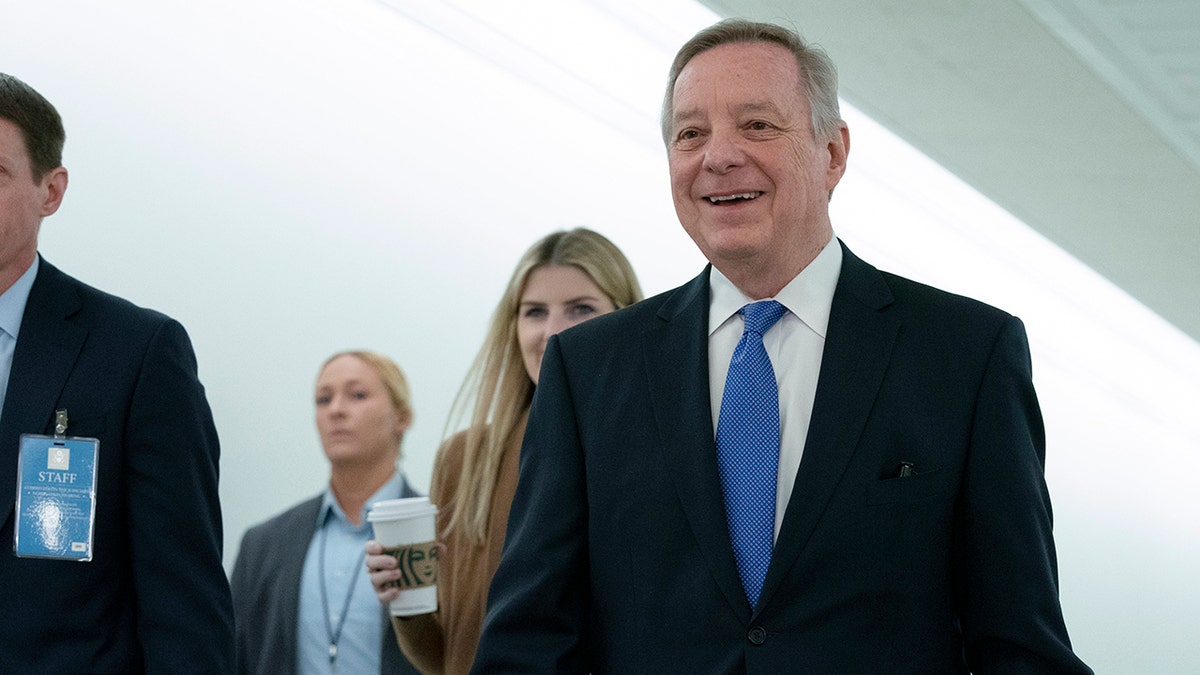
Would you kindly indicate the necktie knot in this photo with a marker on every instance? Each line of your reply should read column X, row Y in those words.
column 760, row 316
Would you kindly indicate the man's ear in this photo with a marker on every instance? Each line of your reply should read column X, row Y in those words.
column 839, row 149
column 54, row 185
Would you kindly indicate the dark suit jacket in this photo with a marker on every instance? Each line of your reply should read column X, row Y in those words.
column 266, row 594
column 618, row 557
column 155, row 596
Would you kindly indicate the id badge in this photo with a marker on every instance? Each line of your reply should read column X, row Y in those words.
column 56, row 497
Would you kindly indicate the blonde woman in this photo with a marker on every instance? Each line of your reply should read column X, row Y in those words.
column 301, row 602
column 564, row 279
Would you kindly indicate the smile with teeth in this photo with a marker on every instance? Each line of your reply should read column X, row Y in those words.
column 737, row 197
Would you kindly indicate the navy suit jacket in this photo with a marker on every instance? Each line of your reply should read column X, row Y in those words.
column 618, row 558
column 154, row 598
column 266, row 594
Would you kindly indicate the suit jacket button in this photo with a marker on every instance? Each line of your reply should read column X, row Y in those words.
column 757, row 635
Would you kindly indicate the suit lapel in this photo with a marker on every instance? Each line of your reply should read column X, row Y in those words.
column 47, row 348
column 858, row 347
column 677, row 361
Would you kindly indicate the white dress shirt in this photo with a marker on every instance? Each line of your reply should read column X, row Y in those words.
column 794, row 345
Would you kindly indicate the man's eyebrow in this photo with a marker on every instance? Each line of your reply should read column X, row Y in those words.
column 688, row 114
column 757, row 106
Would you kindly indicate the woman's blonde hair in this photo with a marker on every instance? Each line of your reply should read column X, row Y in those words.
column 394, row 382
column 497, row 389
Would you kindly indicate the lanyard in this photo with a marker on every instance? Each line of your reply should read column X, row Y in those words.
column 335, row 635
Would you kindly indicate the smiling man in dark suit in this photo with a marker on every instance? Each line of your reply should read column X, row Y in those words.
column 793, row 463
column 144, row 591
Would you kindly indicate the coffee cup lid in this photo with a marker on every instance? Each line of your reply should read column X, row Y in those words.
column 408, row 507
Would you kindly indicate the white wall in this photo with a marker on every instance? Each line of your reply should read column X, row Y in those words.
column 294, row 178
column 290, row 179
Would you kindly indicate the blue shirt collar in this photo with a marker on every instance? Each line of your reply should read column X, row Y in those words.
column 13, row 301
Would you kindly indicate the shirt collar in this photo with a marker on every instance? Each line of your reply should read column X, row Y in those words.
column 392, row 489
column 809, row 295
column 12, row 301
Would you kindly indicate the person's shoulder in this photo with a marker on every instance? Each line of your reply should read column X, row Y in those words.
column 880, row 289
column 99, row 306
column 923, row 300
column 451, row 450
column 942, row 322
column 263, row 543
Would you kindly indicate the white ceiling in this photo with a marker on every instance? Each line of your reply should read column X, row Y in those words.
column 1081, row 117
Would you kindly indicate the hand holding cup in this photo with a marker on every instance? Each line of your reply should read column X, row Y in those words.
column 403, row 559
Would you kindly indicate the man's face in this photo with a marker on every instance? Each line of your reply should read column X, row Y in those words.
column 749, row 180
column 23, row 203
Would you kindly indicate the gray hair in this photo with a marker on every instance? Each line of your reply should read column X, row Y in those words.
column 818, row 75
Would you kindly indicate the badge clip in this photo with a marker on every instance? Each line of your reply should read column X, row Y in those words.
column 60, row 423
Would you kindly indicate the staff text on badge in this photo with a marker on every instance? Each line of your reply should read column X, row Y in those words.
column 56, row 497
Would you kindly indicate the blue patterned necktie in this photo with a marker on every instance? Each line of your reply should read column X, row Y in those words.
column 748, row 447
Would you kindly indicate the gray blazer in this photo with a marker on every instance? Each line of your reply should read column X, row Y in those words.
column 266, row 594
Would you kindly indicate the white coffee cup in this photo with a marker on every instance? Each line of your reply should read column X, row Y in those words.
column 406, row 529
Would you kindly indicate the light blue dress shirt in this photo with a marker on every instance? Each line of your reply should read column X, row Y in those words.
column 12, row 310
column 361, row 636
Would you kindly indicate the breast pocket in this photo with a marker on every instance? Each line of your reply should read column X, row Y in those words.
column 916, row 487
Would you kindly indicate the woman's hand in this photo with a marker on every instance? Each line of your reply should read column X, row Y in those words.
column 383, row 569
